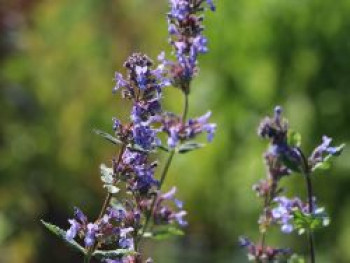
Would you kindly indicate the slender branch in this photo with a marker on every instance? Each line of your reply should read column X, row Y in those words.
column 109, row 195
column 306, row 173
column 162, row 179
column 185, row 112
column 311, row 210
column 105, row 205
column 166, row 169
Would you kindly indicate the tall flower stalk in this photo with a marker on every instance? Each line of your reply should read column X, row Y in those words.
column 283, row 158
column 143, row 210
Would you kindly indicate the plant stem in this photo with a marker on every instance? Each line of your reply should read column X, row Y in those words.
column 161, row 181
column 166, row 169
column 87, row 258
column 185, row 111
column 105, row 205
column 311, row 210
column 306, row 173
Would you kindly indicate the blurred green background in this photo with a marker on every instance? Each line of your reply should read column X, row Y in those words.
column 58, row 60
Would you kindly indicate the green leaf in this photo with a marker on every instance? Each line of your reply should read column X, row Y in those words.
column 106, row 174
column 290, row 163
column 164, row 233
column 296, row 259
column 189, row 146
column 102, row 254
column 107, row 136
column 163, row 148
column 304, row 221
column 62, row 234
column 294, row 138
column 112, row 189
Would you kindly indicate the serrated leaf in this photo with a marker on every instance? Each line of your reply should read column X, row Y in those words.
column 294, row 138
column 102, row 254
column 107, row 136
column 189, row 146
column 62, row 234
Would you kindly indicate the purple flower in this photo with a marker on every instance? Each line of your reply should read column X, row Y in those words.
column 200, row 44
column 185, row 26
column 144, row 178
column 179, row 9
column 73, row 230
column 125, row 241
column 258, row 253
column 120, row 82
column 145, row 136
column 211, row 5
column 178, row 131
column 283, row 213
column 90, row 235
column 163, row 214
column 318, row 155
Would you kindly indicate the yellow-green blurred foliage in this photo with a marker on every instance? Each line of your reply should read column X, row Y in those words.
column 57, row 64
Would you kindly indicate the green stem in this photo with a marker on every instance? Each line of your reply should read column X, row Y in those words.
column 311, row 210
column 162, row 179
column 185, row 112
column 166, row 169
column 87, row 257
column 106, row 202
column 306, row 173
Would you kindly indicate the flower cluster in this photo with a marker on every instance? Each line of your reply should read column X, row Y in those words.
column 113, row 227
column 283, row 157
column 257, row 253
column 179, row 131
column 122, row 225
column 283, row 213
column 185, row 26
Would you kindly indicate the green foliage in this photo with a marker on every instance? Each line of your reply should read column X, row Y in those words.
column 303, row 221
column 189, row 146
column 56, row 85
column 161, row 233
column 62, row 235
column 108, row 137
column 108, row 180
column 294, row 138
column 296, row 259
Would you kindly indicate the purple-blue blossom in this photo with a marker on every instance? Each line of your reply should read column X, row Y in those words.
column 165, row 214
column 180, row 132
column 145, row 136
column 283, row 213
column 257, row 253
column 325, row 148
column 185, row 27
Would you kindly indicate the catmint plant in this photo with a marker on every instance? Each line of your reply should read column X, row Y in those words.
column 283, row 158
column 135, row 206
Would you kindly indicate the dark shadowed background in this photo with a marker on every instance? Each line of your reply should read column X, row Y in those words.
column 58, row 60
